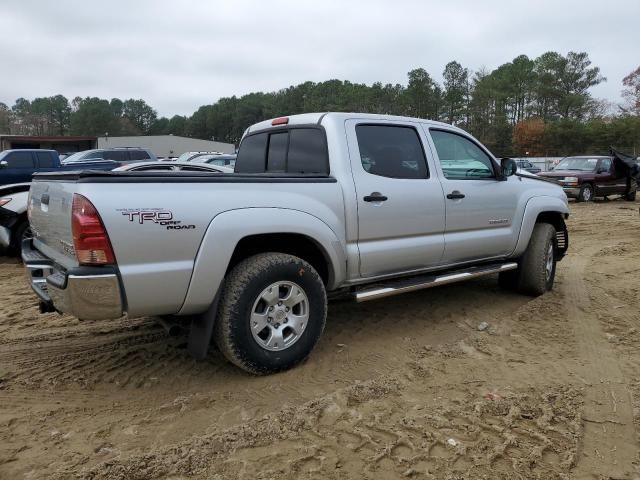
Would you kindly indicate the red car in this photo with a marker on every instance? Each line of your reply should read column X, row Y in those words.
column 586, row 177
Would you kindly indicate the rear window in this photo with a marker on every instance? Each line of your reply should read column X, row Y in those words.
column 277, row 156
column 252, row 154
column 139, row 155
column 117, row 155
column 308, row 151
column 298, row 150
column 45, row 159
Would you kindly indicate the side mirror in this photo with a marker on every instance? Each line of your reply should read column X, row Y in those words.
column 508, row 167
column 3, row 164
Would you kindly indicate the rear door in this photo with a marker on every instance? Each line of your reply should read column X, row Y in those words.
column 46, row 161
column 399, row 200
column 480, row 209
column 19, row 169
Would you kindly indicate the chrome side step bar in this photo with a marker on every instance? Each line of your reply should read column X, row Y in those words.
column 404, row 285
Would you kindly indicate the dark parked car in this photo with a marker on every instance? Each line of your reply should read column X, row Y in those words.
column 586, row 177
column 17, row 166
column 528, row 166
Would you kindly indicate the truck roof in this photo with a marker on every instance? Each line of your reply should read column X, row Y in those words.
column 30, row 150
column 318, row 118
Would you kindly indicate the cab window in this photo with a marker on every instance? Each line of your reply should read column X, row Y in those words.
column 19, row 160
column 391, row 151
column 605, row 165
column 460, row 158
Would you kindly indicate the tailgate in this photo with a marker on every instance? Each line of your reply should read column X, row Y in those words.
column 50, row 216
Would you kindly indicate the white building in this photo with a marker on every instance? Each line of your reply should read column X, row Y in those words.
column 167, row 145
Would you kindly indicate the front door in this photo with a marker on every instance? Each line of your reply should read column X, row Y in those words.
column 400, row 201
column 480, row 209
column 20, row 167
column 606, row 182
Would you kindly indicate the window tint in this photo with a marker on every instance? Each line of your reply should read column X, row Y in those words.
column 116, row 155
column 307, row 151
column 461, row 158
column 605, row 164
column 45, row 160
column 19, row 160
column 391, row 151
column 95, row 155
column 277, row 157
column 138, row 155
column 252, row 154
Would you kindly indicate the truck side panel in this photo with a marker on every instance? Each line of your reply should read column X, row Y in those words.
column 156, row 236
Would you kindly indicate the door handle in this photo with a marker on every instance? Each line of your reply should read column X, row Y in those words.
column 375, row 197
column 44, row 199
column 455, row 195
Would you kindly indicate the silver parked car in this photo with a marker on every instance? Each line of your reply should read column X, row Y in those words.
column 161, row 166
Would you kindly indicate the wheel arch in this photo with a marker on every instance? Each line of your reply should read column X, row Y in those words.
column 233, row 235
column 545, row 209
column 297, row 244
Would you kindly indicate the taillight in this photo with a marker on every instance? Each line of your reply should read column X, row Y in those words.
column 280, row 121
column 90, row 238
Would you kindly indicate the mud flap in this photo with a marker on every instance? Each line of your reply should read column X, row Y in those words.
column 202, row 330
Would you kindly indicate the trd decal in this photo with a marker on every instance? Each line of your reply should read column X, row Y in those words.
column 157, row 216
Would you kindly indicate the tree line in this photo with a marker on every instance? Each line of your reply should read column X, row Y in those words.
column 535, row 107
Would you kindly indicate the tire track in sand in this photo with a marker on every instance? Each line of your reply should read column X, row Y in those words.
column 609, row 444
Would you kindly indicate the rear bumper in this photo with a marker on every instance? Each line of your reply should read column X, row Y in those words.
column 88, row 293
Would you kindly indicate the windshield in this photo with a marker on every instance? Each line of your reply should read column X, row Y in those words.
column 579, row 164
column 204, row 158
column 184, row 157
column 78, row 156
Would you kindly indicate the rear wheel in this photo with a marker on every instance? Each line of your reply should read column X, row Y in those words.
column 272, row 312
column 22, row 233
column 586, row 193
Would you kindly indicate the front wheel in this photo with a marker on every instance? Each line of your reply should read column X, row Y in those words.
column 631, row 195
column 537, row 269
column 272, row 312
column 586, row 193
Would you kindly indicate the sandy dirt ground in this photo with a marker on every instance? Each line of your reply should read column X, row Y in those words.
column 405, row 387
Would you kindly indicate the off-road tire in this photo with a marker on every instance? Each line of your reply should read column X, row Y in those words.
column 582, row 197
column 19, row 234
column 631, row 196
column 531, row 275
column 232, row 331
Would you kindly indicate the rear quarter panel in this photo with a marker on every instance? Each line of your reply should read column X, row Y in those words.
column 156, row 262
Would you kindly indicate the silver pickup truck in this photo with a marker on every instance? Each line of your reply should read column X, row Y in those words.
column 319, row 205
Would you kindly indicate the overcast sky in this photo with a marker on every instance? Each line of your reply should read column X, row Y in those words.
column 178, row 55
